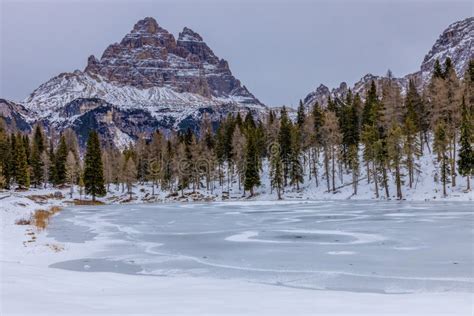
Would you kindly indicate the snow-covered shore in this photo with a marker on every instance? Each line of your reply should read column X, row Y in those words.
column 30, row 287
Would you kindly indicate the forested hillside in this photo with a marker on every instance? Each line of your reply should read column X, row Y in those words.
column 383, row 146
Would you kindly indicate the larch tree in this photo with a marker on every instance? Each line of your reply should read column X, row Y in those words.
column 238, row 154
column 395, row 151
column 129, row 175
column 441, row 145
column 71, row 171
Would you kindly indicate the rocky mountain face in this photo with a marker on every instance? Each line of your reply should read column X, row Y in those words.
column 149, row 56
column 15, row 116
column 147, row 81
column 455, row 42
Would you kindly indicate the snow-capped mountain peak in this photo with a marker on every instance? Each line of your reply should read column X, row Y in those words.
column 171, row 82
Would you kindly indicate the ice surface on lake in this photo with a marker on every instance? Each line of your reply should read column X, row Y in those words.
column 384, row 247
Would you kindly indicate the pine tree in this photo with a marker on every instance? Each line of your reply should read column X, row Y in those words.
column 317, row 139
column 466, row 152
column 411, row 148
column 371, row 102
column 52, row 163
column 416, row 113
column 370, row 139
column 5, row 156
column 60, row 162
column 13, row 166
column 3, row 182
column 441, row 144
column 438, row 71
column 276, row 171
column 284, row 141
column 296, row 169
column 300, row 116
column 354, row 165
column 36, row 162
column 93, row 168
column 252, row 176
column 22, row 175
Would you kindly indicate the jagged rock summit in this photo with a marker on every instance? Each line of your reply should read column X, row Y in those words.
column 172, row 83
column 149, row 56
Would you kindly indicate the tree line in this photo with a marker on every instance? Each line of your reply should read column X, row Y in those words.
column 379, row 139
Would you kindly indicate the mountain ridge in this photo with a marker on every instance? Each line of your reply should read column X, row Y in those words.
column 454, row 42
column 173, row 83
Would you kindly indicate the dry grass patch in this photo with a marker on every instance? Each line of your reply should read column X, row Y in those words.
column 87, row 202
column 40, row 218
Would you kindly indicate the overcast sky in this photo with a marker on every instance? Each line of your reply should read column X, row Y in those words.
column 280, row 50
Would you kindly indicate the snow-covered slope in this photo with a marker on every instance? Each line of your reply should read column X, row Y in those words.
column 55, row 94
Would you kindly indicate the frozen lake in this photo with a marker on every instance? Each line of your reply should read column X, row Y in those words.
column 381, row 247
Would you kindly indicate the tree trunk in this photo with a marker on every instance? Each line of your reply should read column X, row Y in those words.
column 354, row 181
column 427, row 143
column 315, row 168
column 374, row 174
column 453, row 163
column 421, row 142
column 368, row 171
column 443, row 175
column 399, row 182
column 333, row 171
column 410, row 172
column 326, row 167
column 385, row 182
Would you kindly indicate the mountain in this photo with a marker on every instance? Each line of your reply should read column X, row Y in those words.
column 147, row 81
column 15, row 115
column 455, row 42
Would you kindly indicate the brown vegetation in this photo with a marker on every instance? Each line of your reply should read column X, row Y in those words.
column 40, row 218
column 87, row 202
